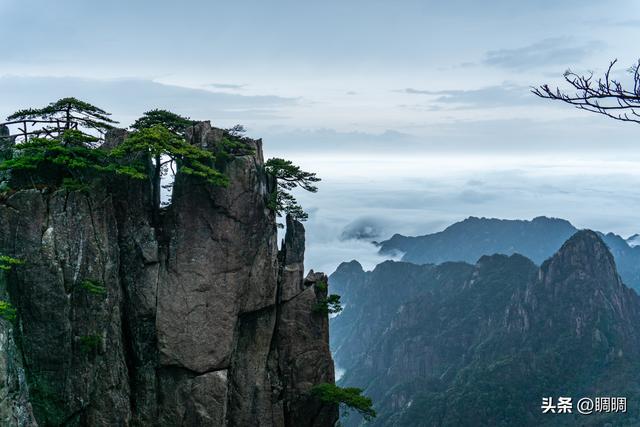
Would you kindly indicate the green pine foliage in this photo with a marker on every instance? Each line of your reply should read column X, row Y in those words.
column 93, row 287
column 7, row 262
column 172, row 121
column 234, row 143
column 69, row 156
column 328, row 305
column 284, row 203
column 68, row 113
column 7, row 311
column 349, row 398
column 289, row 177
column 322, row 286
column 73, row 161
column 161, row 136
column 159, row 142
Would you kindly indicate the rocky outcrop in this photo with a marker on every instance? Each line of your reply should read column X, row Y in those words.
column 302, row 336
column 6, row 146
column 190, row 319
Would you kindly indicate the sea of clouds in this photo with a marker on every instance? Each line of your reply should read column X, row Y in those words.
column 363, row 200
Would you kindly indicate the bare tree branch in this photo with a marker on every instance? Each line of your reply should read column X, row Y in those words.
column 605, row 96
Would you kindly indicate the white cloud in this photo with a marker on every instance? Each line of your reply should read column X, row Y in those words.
column 129, row 98
column 557, row 51
column 420, row 195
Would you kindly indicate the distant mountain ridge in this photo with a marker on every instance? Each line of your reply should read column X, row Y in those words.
column 480, row 345
column 537, row 239
column 633, row 240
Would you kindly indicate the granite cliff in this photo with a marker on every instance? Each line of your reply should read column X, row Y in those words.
column 192, row 319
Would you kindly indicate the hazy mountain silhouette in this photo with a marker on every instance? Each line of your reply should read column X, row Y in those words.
column 537, row 240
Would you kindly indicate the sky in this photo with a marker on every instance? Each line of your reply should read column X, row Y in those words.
column 416, row 114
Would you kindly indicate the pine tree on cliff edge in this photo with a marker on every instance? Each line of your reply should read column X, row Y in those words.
column 289, row 177
column 63, row 115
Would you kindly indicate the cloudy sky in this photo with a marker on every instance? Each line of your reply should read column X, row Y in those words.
column 415, row 113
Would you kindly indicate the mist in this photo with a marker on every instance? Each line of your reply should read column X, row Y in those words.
column 378, row 197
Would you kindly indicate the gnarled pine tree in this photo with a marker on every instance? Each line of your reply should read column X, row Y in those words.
column 62, row 115
column 173, row 122
column 165, row 148
column 288, row 177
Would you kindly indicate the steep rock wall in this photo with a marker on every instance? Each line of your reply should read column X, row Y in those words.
column 192, row 320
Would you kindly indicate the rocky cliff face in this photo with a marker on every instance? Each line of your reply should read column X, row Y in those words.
column 195, row 320
column 484, row 348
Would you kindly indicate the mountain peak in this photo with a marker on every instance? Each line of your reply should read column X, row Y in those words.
column 583, row 261
column 633, row 240
column 579, row 292
column 588, row 243
column 352, row 266
column 346, row 276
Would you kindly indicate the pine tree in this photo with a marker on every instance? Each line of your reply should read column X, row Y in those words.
column 165, row 148
column 289, row 177
column 173, row 122
column 63, row 115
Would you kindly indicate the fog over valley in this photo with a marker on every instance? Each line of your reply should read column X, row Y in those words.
column 416, row 196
